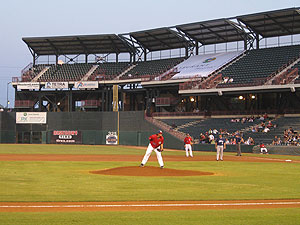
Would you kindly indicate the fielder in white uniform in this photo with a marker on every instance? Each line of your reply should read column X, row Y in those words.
column 188, row 141
column 220, row 146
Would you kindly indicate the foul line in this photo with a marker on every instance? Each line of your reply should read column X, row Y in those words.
column 152, row 205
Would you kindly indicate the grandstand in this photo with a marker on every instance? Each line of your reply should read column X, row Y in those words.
column 257, row 66
column 185, row 75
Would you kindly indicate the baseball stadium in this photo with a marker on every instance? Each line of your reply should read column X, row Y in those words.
column 101, row 125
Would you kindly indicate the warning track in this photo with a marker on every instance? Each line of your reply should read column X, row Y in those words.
column 145, row 205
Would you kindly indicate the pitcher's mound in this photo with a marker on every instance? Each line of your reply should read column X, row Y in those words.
column 149, row 171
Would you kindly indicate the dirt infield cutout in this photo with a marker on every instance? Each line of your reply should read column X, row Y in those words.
column 149, row 171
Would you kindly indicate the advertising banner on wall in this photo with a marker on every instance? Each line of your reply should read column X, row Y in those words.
column 86, row 84
column 28, row 86
column 56, row 85
column 112, row 138
column 66, row 137
column 31, row 117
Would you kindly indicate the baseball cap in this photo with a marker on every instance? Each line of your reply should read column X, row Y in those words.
column 159, row 132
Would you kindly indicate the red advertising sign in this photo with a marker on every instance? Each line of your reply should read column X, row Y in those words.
column 66, row 137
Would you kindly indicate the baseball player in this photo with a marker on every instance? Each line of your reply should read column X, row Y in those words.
column 156, row 144
column 220, row 145
column 188, row 141
column 238, row 140
column 263, row 149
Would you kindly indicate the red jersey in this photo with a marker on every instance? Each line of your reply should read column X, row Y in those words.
column 156, row 141
column 262, row 146
column 188, row 140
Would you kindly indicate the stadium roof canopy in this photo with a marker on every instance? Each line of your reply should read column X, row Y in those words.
column 273, row 23
column 84, row 44
column 214, row 31
column 160, row 39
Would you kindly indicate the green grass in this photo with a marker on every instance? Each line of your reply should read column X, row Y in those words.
column 71, row 181
column 187, row 217
column 67, row 149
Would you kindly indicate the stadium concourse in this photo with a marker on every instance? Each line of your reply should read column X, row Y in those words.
column 222, row 74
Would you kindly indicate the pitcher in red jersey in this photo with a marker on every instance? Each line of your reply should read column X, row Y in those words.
column 156, row 144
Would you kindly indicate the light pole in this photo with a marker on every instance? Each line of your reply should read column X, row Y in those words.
column 7, row 102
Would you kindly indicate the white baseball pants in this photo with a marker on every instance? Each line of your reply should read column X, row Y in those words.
column 188, row 147
column 220, row 149
column 148, row 153
column 262, row 150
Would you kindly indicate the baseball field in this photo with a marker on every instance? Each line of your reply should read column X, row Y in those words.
column 67, row 184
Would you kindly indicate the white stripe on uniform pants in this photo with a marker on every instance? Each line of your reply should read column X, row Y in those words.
column 220, row 152
column 148, row 153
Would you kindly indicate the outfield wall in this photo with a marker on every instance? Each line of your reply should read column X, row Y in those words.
column 94, row 126
column 280, row 150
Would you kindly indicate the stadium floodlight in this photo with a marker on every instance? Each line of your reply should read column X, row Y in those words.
column 192, row 99
column 253, row 96
column 241, row 97
column 58, row 103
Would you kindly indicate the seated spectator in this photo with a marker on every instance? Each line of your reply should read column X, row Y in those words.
column 202, row 138
column 269, row 124
column 215, row 131
column 266, row 130
column 227, row 142
column 211, row 138
column 249, row 141
column 225, row 80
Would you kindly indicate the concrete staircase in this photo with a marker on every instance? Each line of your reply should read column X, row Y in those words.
column 125, row 71
column 89, row 73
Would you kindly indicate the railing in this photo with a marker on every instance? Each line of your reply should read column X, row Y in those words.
column 175, row 114
column 286, row 77
column 225, row 113
column 27, row 68
column 166, row 128
column 280, row 69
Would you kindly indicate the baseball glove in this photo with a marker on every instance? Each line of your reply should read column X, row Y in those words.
column 160, row 149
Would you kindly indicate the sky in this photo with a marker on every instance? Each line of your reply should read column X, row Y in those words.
column 38, row 18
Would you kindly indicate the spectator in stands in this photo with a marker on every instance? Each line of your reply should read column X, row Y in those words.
column 215, row 131
column 211, row 138
column 202, row 138
column 266, row 130
column 173, row 125
column 225, row 80
column 249, row 141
